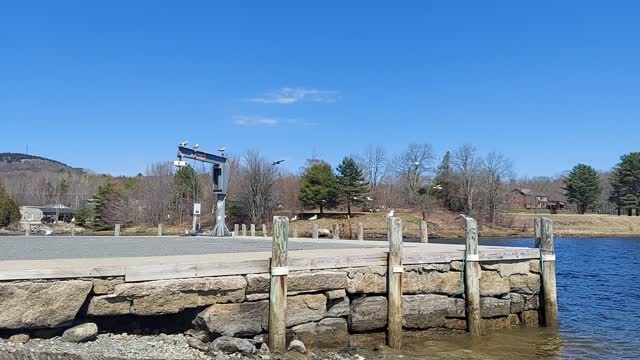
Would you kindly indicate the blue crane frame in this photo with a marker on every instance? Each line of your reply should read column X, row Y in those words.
column 220, row 182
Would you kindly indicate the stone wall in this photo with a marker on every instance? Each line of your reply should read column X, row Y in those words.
column 324, row 308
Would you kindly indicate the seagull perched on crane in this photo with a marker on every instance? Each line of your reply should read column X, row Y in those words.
column 314, row 217
column 184, row 143
column 277, row 162
column 196, row 146
column 222, row 149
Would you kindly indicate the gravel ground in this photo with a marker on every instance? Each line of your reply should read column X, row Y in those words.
column 66, row 247
column 108, row 346
column 148, row 347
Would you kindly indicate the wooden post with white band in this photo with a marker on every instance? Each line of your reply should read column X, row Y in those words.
column 394, row 290
column 278, row 289
column 545, row 241
column 472, row 276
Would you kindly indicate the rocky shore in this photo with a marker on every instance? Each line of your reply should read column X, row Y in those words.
column 161, row 347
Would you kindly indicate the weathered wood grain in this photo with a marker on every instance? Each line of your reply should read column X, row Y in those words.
column 471, row 277
column 548, row 273
column 278, row 289
column 394, row 291
column 360, row 231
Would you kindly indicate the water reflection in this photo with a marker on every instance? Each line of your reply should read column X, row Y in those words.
column 521, row 344
column 598, row 290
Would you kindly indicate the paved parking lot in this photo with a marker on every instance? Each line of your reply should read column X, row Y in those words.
column 66, row 247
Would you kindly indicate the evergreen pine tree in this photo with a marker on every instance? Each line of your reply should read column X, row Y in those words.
column 582, row 187
column 319, row 186
column 351, row 183
column 626, row 183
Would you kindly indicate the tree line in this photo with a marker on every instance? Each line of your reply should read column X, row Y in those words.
column 461, row 180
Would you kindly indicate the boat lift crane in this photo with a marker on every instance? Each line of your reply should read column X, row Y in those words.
column 220, row 180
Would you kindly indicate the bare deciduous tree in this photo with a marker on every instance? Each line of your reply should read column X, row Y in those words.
column 374, row 164
column 411, row 168
column 257, row 192
column 497, row 169
column 467, row 166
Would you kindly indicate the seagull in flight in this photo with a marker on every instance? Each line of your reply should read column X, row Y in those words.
column 277, row 162
column 314, row 217
column 415, row 163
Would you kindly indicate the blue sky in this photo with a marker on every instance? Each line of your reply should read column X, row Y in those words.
column 113, row 86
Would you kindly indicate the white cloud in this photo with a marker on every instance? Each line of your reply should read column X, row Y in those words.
column 289, row 95
column 244, row 120
column 257, row 120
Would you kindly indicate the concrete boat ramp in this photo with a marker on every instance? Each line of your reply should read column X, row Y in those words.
column 145, row 258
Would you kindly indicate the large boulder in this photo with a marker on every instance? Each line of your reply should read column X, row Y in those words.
column 108, row 305
column 426, row 282
column 169, row 296
column 41, row 304
column 81, row 333
column 300, row 281
column 493, row 307
column 241, row 319
column 328, row 333
column 492, row 284
column 337, row 303
column 105, row 286
column 525, row 284
column 368, row 313
column 367, row 280
column 429, row 311
column 230, row 345
column 305, row 308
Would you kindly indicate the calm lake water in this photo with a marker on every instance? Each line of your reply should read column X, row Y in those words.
column 598, row 296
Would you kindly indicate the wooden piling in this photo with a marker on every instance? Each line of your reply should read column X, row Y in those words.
column 73, row 229
column 424, row 232
column 236, row 229
column 336, row 231
column 548, row 273
column 116, row 231
column 360, row 231
column 244, row 229
column 160, row 229
column 314, row 231
column 264, row 230
column 27, row 229
column 294, row 231
column 278, row 289
column 471, row 277
column 394, row 288
column 252, row 230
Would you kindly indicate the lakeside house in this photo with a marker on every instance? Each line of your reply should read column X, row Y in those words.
column 528, row 199
column 522, row 198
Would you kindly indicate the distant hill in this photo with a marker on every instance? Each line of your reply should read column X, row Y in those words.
column 22, row 162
